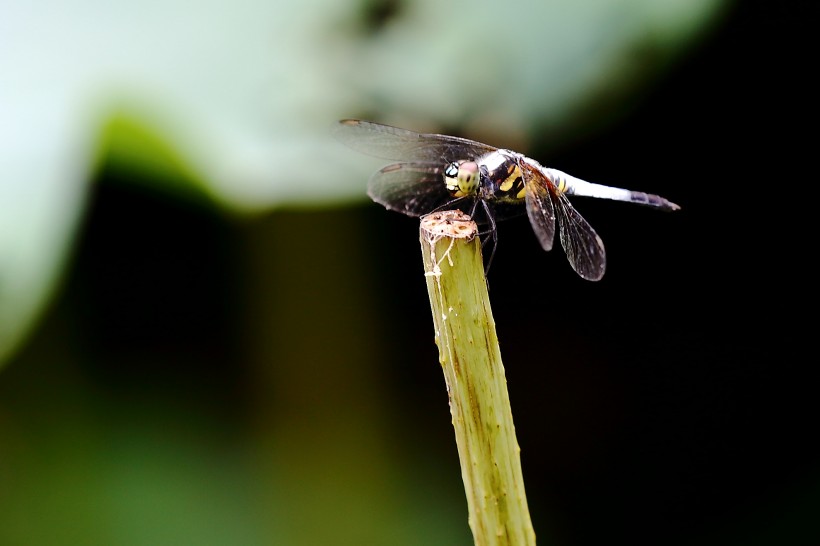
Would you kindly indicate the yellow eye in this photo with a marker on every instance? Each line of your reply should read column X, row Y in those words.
column 462, row 178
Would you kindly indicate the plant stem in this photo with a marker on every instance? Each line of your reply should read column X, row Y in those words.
column 477, row 388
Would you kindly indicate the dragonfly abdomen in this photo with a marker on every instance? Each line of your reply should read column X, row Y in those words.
column 565, row 183
column 652, row 200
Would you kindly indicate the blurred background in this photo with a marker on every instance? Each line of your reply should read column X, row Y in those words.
column 210, row 336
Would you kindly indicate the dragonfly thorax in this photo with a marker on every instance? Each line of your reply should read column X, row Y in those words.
column 503, row 179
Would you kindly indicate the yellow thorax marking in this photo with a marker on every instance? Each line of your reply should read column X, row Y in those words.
column 507, row 184
column 562, row 184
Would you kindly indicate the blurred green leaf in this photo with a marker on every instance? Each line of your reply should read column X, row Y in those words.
column 242, row 95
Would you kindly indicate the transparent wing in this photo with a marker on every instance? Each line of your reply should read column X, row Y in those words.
column 584, row 249
column 539, row 205
column 413, row 189
column 390, row 142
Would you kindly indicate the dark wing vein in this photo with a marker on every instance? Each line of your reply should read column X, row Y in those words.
column 584, row 249
column 539, row 205
column 410, row 188
column 390, row 142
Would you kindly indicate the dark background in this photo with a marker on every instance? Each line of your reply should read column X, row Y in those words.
column 671, row 403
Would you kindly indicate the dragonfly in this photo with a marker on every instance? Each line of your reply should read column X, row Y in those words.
column 440, row 171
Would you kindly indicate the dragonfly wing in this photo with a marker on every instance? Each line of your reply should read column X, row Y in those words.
column 413, row 189
column 539, row 207
column 584, row 249
column 390, row 142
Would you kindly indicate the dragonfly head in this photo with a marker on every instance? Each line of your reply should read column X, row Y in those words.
column 462, row 178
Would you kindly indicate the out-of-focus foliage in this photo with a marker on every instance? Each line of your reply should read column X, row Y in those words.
column 240, row 96
column 214, row 372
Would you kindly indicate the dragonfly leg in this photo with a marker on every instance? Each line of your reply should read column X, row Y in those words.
column 493, row 235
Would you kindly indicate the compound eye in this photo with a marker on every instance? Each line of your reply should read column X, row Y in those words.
column 468, row 173
column 452, row 170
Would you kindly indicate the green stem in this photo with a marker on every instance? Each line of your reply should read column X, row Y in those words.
column 471, row 361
